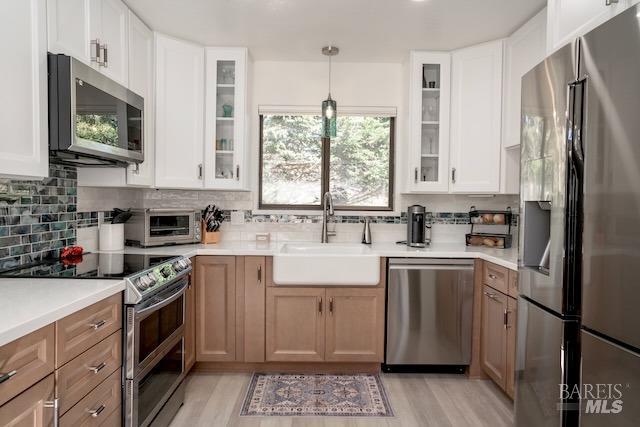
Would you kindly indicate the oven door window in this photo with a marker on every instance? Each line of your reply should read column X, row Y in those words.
column 105, row 122
column 158, row 326
column 169, row 225
column 153, row 387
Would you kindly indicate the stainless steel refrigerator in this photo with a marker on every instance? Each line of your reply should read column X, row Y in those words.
column 579, row 305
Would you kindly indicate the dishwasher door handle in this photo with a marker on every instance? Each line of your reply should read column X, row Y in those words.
column 452, row 267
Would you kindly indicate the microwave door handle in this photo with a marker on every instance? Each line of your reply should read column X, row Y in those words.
column 164, row 302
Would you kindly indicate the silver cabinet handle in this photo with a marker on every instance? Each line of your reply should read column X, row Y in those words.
column 98, row 368
column 237, row 172
column 492, row 296
column 95, row 51
column 492, row 276
column 610, row 2
column 55, row 404
column 99, row 324
column 95, row 413
column 105, row 56
column 415, row 175
column 320, row 305
column 259, row 274
column 506, row 319
column 200, row 173
column 453, row 175
column 331, row 306
column 7, row 376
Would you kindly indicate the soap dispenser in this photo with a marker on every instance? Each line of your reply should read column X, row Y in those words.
column 366, row 232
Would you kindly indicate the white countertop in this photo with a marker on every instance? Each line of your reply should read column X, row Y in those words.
column 27, row 305
column 505, row 257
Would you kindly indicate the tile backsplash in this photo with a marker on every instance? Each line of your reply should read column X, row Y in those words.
column 37, row 218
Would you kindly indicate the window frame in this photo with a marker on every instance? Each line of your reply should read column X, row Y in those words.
column 325, row 174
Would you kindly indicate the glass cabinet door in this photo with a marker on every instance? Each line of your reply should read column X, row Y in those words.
column 430, row 92
column 225, row 118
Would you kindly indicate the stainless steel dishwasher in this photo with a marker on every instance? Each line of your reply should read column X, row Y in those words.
column 429, row 310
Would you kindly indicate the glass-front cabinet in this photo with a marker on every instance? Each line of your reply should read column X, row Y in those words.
column 226, row 115
column 429, row 98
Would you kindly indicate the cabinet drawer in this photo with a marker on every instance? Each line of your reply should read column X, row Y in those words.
column 96, row 407
column 85, row 328
column 31, row 408
column 30, row 357
column 78, row 377
column 513, row 284
column 495, row 276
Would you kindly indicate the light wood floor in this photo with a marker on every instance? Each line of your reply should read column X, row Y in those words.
column 416, row 399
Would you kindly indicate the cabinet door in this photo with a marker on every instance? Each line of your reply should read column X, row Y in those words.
column 216, row 309
column 225, row 124
column 179, row 113
column 429, row 97
column 355, row 325
column 24, row 146
column 190, row 324
column 493, row 335
column 141, row 81
column 32, row 408
column 510, row 369
column 476, row 111
column 567, row 19
column 295, row 324
column 68, row 27
column 254, row 310
column 108, row 23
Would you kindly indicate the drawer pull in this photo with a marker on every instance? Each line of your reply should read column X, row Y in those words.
column 493, row 276
column 492, row 296
column 98, row 324
column 98, row 368
column 7, row 376
column 95, row 413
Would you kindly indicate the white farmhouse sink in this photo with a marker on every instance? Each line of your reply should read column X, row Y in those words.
column 322, row 264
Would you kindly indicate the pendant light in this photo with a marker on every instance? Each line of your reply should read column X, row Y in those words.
column 329, row 106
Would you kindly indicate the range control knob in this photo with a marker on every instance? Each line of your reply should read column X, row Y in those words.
column 143, row 282
column 166, row 271
column 177, row 266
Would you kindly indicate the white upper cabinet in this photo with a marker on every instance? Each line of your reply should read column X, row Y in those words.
column 567, row 19
column 225, row 118
column 429, row 96
column 179, row 113
column 476, row 110
column 524, row 49
column 141, row 81
column 68, row 27
column 92, row 31
column 24, row 149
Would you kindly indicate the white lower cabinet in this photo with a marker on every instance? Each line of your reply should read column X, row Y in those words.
column 476, row 118
column 179, row 113
column 24, row 149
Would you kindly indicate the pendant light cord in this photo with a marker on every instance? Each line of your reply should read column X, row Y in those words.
column 329, row 76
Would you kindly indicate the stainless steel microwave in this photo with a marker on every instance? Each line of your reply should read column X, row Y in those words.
column 160, row 227
column 93, row 121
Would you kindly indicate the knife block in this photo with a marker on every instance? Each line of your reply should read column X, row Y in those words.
column 209, row 237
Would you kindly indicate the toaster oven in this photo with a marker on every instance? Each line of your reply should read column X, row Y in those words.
column 161, row 227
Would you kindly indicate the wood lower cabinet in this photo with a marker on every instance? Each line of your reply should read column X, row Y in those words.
column 32, row 408
column 215, row 280
column 355, row 325
column 295, row 324
column 510, row 374
column 494, row 335
column 26, row 361
column 255, row 274
column 190, row 323
column 97, row 406
column 512, row 287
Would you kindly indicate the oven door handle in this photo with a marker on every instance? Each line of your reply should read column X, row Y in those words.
column 165, row 301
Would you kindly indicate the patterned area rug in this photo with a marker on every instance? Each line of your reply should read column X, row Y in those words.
column 360, row 395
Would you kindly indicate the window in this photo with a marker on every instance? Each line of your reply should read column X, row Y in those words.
column 297, row 166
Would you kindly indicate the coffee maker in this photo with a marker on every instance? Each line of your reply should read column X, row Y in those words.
column 416, row 226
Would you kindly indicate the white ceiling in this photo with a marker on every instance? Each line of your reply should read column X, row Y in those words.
column 365, row 30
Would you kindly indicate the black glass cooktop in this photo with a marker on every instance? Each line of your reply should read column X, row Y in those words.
column 90, row 266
